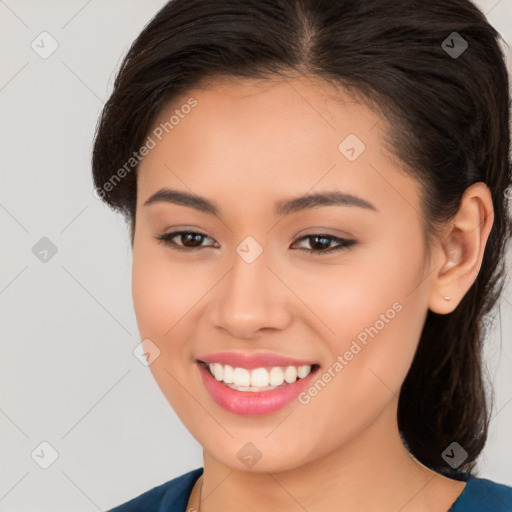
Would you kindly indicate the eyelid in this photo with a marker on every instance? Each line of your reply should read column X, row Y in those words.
column 321, row 230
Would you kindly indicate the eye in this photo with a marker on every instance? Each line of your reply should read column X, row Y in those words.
column 319, row 241
column 192, row 240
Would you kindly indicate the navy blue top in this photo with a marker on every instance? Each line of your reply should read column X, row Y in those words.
column 479, row 495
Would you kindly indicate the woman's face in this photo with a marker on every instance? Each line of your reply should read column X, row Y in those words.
column 249, row 283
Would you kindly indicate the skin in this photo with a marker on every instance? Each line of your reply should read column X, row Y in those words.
column 246, row 146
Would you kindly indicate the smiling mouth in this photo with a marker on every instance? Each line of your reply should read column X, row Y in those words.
column 258, row 379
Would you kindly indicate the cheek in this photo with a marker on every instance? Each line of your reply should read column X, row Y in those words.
column 161, row 300
column 348, row 299
column 149, row 302
column 368, row 361
column 374, row 310
column 163, row 292
column 167, row 301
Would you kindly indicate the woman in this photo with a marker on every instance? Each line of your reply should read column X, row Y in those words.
column 317, row 198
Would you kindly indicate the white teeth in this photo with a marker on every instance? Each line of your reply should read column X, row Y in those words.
column 302, row 371
column 276, row 376
column 241, row 377
column 229, row 374
column 290, row 374
column 259, row 379
column 218, row 371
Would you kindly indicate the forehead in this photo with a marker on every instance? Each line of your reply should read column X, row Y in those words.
column 275, row 103
column 265, row 136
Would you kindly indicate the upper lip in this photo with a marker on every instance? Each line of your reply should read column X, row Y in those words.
column 253, row 360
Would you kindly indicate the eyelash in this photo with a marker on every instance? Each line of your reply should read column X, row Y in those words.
column 345, row 243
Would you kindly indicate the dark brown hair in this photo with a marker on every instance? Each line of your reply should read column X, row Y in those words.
column 447, row 122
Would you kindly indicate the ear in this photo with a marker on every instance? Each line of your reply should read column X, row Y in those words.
column 461, row 249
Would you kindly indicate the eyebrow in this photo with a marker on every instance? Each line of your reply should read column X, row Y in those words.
column 282, row 208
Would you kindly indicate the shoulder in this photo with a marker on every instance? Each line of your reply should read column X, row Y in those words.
column 171, row 496
column 482, row 495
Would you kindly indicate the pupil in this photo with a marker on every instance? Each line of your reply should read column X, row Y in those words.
column 320, row 245
column 193, row 236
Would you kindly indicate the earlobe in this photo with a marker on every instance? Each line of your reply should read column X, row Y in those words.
column 462, row 249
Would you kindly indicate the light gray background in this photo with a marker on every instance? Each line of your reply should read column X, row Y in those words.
column 68, row 374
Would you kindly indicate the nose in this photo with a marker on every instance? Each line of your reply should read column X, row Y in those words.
column 251, row 299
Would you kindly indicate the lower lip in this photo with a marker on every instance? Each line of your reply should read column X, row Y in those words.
column 253, row 403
